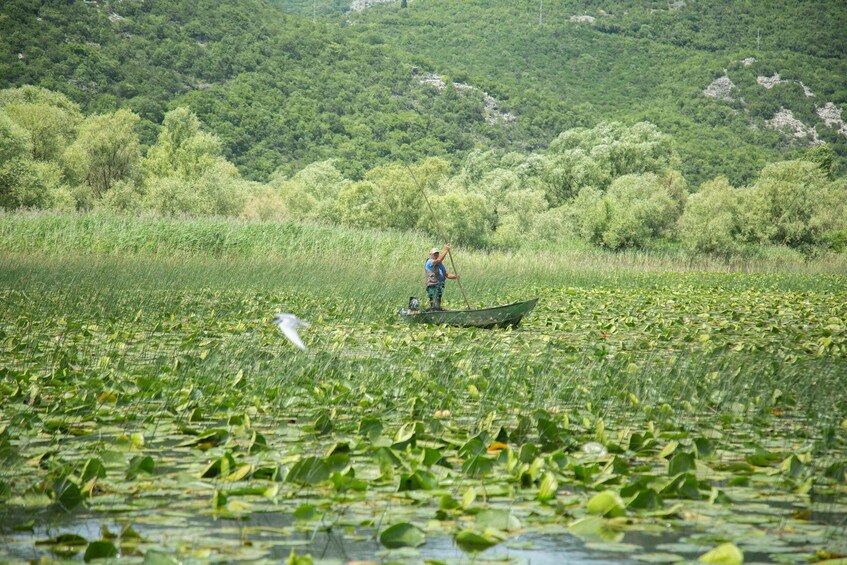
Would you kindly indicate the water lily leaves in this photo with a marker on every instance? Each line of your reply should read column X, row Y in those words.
column 307, row 513
column 323, row 423
column 294, row 559
column 65, row 545
column 475, row 446
column 498, row 519
column 407, row 435
column 431, row 456
column 100, row 550
column 641, row 442
column 66, row 493
column 607, row 503
column 370, row 428
column 478, row 466
column 207, row 440
column 724, row 554
column 94, row 468
column 646, row 499
column 473, row 541
column 258, row 443
column 681, row 462
column 596, row 528
column 419, row 480
column 549, row 434
column 705, row 447
column 403, row 534
column 218, row 467
column 309, row 471
column 548, row 487
column 684, row 485
column 468, row 497
column 763, row 458
column 140, row 464
column 240, row 473
column 153, row 557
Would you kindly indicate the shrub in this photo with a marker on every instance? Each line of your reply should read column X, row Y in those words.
column 635, row 209
column 792, row 203
column 711, row 222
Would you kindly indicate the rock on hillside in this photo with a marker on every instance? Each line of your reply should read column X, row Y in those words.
column 359, row 5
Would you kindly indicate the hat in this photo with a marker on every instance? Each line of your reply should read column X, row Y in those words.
column 434, row 250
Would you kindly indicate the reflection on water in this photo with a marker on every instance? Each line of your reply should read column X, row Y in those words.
column 272, row 535
column 265, row 537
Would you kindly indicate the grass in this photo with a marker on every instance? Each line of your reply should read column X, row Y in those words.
column 126, row 339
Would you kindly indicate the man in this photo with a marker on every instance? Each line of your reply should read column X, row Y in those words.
column 436, row 274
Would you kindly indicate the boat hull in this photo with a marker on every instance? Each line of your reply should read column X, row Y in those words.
column 494, row 317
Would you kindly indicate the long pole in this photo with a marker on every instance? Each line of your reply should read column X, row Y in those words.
column 440, row 232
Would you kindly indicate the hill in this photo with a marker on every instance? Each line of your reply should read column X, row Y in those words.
column 279, row 91
column 737, row 84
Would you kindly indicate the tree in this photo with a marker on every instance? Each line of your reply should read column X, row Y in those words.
column 784, row 202
column 49, row 117
column 182, row 149
column 106, row 151
column 712, row 220
column 635, row 209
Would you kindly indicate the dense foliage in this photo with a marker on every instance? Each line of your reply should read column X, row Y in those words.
column 572, row 63
column 169, row 108
column 278, row 91
column 151, row 408
column 612, row 185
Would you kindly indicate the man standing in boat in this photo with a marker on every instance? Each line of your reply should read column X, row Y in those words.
column 436, row 274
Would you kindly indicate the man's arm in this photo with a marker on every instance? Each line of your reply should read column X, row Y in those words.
column 441, row 257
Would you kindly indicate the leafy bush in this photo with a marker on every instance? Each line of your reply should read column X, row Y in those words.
column 50, row 118
column 107, row 150
column 711, row 222
column 635, row 209
column 792, row 203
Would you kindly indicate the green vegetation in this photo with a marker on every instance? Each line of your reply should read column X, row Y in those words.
column 613, row 186
column 635, row 61
column 174, row 172
column 669, row 415
column 277, row 91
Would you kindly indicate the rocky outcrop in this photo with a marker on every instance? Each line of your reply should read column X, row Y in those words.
column 359, row 5
column 831, row 116
column 721, row 89
column 770, row 82
column 493, row 115
column 784, row 120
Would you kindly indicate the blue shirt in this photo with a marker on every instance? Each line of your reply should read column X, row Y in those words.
column 441, row 271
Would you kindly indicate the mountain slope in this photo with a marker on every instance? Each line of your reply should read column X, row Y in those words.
column 278, row 90
column 568, row 63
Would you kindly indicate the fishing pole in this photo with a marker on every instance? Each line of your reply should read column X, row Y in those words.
column 440, row 232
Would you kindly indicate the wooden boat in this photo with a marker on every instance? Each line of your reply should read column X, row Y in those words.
column 494, row 317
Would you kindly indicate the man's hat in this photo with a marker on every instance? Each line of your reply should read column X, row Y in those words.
column 434, row 250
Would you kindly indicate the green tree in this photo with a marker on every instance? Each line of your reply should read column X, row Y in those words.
column 106, row 151
column 182, row 149
column 463, row 216
column 359, row 205
column 787, row 204
column 50, row 118
column 635, row 209
column 712, row 221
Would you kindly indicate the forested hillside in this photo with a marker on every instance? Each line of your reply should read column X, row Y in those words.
column 780, row 68
column 528, row 125
column 277, row 90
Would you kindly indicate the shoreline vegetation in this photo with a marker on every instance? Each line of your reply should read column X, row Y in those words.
column 52, row 233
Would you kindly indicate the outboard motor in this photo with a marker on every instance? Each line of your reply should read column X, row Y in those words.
column 414, row 303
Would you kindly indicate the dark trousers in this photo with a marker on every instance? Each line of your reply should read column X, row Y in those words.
column 434, row 293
